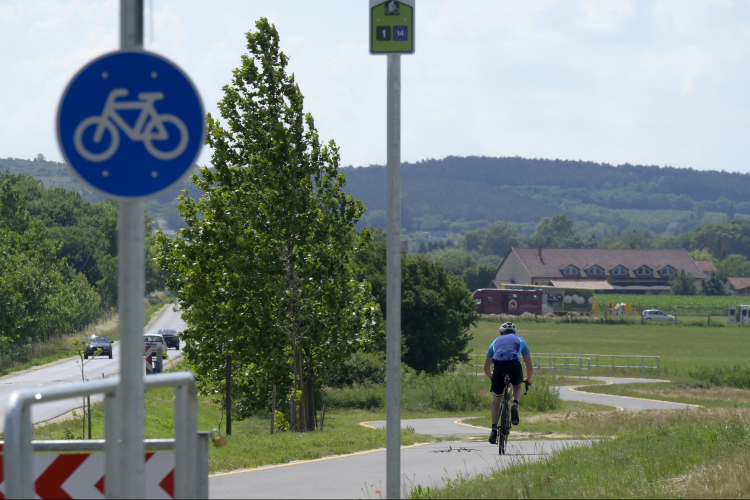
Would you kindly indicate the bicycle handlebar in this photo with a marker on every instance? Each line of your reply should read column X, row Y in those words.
column 526, row 387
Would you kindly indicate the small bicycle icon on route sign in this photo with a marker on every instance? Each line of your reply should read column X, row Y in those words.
column 149, row 127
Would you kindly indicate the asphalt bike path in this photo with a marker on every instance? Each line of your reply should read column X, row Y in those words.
column 362, row 475
column 69, row 372
column 571, row 393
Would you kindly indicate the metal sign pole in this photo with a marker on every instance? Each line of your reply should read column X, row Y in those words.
column 393, row 282
column 131, row 287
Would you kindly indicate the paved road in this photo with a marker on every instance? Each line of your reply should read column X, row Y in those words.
column 362, row 475
column 624, row 403
column 68, row 372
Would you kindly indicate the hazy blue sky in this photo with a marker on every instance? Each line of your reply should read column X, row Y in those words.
column 657, row 82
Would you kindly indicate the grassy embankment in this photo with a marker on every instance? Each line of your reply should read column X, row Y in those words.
column 42, row 353
column 657, row 454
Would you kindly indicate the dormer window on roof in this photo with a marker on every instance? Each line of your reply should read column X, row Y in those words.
column 668, row 271
column 643, row 271
column 570, row 271
column 619, row 271
column 594, row 271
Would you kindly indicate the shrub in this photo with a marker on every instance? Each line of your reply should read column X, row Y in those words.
column 734, row 376
column 360, row 368
column 542, row 396
column 363, row 397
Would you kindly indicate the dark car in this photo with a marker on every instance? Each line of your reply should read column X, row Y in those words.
column 96, row 342
column 171, row 338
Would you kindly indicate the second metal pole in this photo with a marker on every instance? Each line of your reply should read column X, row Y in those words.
column 393, row 283
column 131, row 287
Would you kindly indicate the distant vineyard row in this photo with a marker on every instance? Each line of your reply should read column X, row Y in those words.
column 675, row 303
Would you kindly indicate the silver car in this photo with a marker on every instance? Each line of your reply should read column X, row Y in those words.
column 656, row 315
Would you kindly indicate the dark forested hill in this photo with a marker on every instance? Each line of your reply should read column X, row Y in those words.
column 458, row 194
column 455, row 193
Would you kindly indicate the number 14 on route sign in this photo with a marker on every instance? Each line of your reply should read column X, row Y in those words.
column 391, row 26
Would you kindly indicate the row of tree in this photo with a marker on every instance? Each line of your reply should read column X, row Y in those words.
column 42, row 296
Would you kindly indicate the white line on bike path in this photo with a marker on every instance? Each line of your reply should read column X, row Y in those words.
column 362, row 475
column 569, row 393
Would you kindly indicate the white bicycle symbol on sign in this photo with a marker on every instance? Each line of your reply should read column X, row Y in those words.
column 148, row 127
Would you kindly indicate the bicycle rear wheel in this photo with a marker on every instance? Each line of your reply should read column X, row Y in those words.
column 504, row 428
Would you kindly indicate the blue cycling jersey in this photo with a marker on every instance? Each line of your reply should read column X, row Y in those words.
column 508, row 347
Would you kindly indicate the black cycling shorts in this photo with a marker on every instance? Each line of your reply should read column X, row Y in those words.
column 513, row 368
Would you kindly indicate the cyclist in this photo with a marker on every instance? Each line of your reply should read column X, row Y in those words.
column 504, row 356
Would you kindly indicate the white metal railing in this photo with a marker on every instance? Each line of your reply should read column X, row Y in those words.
column 608, row 363
column 568, row 364
column 191, row 471
column 558, row 365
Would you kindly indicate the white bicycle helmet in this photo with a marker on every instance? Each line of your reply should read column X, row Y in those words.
column 507, row 328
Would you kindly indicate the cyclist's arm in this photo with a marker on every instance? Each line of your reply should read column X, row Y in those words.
column 487, row 366
column 529, row 368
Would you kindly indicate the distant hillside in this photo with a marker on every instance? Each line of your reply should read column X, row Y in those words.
column 457, row 194
column 462, row 193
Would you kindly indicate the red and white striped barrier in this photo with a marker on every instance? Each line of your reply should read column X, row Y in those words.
column 81, row 475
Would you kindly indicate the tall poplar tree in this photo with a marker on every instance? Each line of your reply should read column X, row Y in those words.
column 262, row 268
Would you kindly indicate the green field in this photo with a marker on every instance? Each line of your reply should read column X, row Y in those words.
column 698, row 305
column 682, row 348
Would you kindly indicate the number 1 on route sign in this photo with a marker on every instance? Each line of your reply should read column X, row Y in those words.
column 130, row 124
column 391, row 26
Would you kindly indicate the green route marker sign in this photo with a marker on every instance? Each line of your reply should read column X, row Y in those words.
column 392, row 26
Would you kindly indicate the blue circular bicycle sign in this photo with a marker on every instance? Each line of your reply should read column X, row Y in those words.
column 130, row 124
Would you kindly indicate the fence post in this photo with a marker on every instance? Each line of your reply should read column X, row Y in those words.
column 658, row 364
column 613, row 364
column 597, row 364
column 643, row 367
column 580, row 367
column 628, row 364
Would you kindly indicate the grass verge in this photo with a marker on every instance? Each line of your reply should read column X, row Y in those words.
column 660, row 455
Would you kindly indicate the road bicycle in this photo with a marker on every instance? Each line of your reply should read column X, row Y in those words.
column 503, row 426
column 149, row 127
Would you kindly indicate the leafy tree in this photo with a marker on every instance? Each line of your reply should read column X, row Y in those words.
column 734, row 266
column 730, row 211
column 262, row 266
column 713, row 285
column 629, row 239
column 683, row 284
column 496, row 239
column 557, row 232
column 479, row 276
column 436, row 310
column 41, row 295
column 703, row 254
